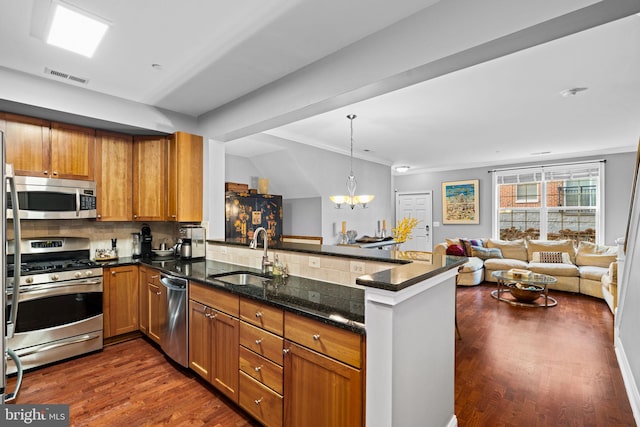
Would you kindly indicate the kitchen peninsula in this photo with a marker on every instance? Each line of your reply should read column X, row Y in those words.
column 388, row 334
column 408, row 319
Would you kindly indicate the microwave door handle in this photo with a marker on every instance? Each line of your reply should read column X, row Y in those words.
column 77, row 202
column 17, row 255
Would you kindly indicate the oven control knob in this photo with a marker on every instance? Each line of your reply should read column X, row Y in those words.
column 28, row 280
column 88, row 273
column 78, row 275
column 54, row 277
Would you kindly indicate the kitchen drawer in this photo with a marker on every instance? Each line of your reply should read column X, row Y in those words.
column 262, row 342
column 260, row 401
column 331, row 341
column 215, row 298
column 262, row 315
column 261, row 369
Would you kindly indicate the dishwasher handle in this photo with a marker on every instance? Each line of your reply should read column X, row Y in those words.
column 174, row 283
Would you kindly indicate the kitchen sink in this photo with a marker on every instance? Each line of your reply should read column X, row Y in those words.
column 241, row 279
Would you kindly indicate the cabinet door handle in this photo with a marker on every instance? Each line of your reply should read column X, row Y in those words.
column 257, row 401
column 257, row 368
column 286, row 350
column 158, row 293
column 258, row 314
column 46, row 172
column 113, row 273
column 259, row 341
column 154, row 277
column 316, row 337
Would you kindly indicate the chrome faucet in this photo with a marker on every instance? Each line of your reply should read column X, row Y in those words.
column 254, row 245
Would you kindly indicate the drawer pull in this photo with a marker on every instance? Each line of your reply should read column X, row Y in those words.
column 316, row 337
column 257, row 368
column 158, row 293
column 258, row 314
column 259, row 341
column 257, row 401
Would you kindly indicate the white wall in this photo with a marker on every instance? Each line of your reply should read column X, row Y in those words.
column 299, row 171
column 618, row 179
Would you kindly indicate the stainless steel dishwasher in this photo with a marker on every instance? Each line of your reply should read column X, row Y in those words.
column 174, row 338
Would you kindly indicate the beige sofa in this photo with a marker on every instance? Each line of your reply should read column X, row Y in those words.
column 581, row 270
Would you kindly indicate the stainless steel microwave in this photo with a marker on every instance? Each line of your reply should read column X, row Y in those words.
column 50, row 198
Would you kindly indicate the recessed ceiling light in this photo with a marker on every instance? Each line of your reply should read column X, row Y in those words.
column 156, row 66
column 402, row 169
column 75, row 30
column 540, row 153
column 573, row 91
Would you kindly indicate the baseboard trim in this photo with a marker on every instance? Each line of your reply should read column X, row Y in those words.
column 627, row 376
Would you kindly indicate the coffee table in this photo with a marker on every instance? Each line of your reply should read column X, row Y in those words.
column 507, row 281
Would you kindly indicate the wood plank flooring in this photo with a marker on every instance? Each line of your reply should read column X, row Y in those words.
column 521, row 366
column 515, row 366
column 130, row 384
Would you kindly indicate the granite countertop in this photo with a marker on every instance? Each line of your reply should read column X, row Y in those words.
column 330, row 303
column 339, row 305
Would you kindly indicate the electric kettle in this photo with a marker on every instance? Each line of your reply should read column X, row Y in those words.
column 185, row 249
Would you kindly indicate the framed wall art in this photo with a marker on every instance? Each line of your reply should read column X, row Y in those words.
column 460, row 202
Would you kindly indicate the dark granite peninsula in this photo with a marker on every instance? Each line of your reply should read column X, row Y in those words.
column 409, row 318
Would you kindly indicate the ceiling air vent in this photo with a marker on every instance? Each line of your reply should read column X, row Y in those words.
column 66, row 76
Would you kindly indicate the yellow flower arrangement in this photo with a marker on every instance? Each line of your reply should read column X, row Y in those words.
column 403, row 229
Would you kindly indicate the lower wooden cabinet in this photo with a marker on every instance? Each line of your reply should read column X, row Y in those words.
column 120, row 300
column 320, row 391
column 152, row 302
column 323, row 379
column 214, row 342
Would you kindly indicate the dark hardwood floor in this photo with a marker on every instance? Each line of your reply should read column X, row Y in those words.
column 515, row 366
column 521, row 366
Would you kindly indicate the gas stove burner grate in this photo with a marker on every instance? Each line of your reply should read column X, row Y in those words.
column 56, row 266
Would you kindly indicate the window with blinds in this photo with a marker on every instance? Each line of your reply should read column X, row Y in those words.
column 554, row 202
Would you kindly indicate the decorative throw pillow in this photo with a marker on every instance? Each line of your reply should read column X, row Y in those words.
column 551, row 246
column 551, row 257
column 467, row 243
column 485, row 253
column 511, row 249
column 455, row 250
column 596, row 255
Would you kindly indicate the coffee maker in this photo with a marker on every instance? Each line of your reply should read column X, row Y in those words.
column 145, row 241
column 193, row 242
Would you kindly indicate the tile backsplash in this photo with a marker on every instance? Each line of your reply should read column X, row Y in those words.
column 343, row 271
column 99, row 233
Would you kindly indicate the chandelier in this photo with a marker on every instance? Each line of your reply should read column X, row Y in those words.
column 351, row 199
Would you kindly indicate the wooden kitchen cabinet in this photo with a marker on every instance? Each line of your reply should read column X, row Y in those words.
column 261, row 371
column 149, row 178
column 48, row 149
column 214, row 338
column 184, row 177
column 28, row 144
column 153, row 299
column 114, row 176
column 167, row 178
column 322, row 390
column 120, row 300
column 72, row 152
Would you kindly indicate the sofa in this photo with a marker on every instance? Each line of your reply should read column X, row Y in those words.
column 578, row 269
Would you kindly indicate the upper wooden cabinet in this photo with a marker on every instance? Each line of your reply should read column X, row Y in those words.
column 149, row 178
column 114, row 176
column 167, row 178
column 28, row 144
column 184, row 178
column 48, row 149
column 72, row 151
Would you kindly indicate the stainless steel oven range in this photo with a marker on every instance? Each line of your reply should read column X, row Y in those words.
column 60, row 301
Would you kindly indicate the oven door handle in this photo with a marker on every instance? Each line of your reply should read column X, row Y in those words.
column 53, row 285
column 37, row 349
column 77, row 202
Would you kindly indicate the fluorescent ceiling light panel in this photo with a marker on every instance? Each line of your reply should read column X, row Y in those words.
column 75, row 30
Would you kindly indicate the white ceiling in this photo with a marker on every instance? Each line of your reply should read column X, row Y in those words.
column 214, row 54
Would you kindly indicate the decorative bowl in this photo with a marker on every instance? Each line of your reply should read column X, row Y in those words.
column 526, row 293
column 162, row 253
